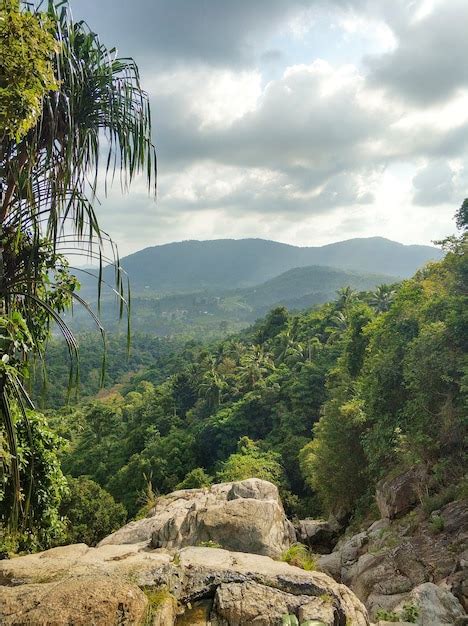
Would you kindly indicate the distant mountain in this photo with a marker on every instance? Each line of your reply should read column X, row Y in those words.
column 303, row 287
column 213, row 313
column 190, row 266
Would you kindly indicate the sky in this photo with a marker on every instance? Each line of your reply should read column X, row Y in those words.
column 302, row 121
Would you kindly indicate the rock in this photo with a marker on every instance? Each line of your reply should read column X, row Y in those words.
column 244, row 516
column 396, row 496
column 385, row 623
column 162, row 609
column 251, row 603
column 209, row 567
column 81, row 602
column 217, row 577
column 458, row 580
column 319, row 535
column 331, row 565
column 383, row 564
column 436, row 606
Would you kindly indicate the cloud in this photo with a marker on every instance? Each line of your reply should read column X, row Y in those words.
column 263, row 126
column 214, row 32
column 429, row 63
column 440, row 182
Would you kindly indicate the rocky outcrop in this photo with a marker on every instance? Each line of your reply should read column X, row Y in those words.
column 144, row 574
column 434, row 604
column 236, row 588
column 97, row 600
column 398, row 494
column 391, row 563
column 244, row 516
column 319, row 535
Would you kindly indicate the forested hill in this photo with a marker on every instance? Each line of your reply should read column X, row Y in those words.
column 227, row 263
column 302, row 287
column 324, row 403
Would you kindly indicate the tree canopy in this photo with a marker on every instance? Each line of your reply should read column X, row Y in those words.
column 66, row 103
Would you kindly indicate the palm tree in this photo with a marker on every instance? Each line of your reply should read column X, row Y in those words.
column 382, row 298
column 93, row 120
column 255, row 364
column 346, row 297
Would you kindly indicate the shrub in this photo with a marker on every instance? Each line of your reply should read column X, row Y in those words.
column 91, row 512
column 195, row 479
column 299, row 556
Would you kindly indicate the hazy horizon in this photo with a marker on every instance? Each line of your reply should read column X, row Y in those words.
column 308, row 123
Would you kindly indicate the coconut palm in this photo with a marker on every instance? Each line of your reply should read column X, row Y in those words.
column 94, row 121
column 346, row 297
column 381, row 299
column 256, row 364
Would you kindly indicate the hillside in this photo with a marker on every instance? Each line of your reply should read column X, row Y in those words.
column 190, row 266
column 215, row 312
column 302, row 287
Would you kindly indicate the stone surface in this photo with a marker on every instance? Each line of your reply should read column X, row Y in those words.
column 437, row 606
column 81, row 602
column 244, row 516
column 190, row 575
column 320, row 536
column 396, row 496
column 385, row 563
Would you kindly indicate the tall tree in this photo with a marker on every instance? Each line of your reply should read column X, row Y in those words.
column 70, row 110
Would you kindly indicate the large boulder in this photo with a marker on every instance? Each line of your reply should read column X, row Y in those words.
column 211, row 585
column 244, row 516
column 384, row 564
column 398, row 494
column 98, row 600
column 435, row 606
column 319, row 535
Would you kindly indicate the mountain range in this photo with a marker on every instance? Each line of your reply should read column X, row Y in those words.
column 197, row 288
column 190, row 266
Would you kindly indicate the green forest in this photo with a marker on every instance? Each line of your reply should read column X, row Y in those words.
column 324, row 403
column 368, row 380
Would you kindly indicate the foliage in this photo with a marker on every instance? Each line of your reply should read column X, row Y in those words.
column 91, row 513
column 43, row 486
column 461, row 216
column 27, row 46
column 396, row 397
column 250, row 462
column 209, row 544
column 299, row 556
column 409, row 613
column 323, row 403
column 61, row 93
column 196, row 479
column 436, row 524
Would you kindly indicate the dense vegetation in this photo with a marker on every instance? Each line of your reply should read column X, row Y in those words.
column 213, row 314
column 66, row 102
column 323, row 403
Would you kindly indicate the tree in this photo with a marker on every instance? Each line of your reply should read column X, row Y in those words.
column 251, row 462
column 26, row 47
column 461, row 216
column 346, row 297
column 381, row 299
column 91, row 512
column 83, row 102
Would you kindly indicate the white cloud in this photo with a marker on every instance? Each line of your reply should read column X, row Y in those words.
column 315, row 149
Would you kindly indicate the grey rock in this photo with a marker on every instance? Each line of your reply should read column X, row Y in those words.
column 395, row 496
column 436, row 606
column 244, row 516
column 239, row 584
column 319, row 535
